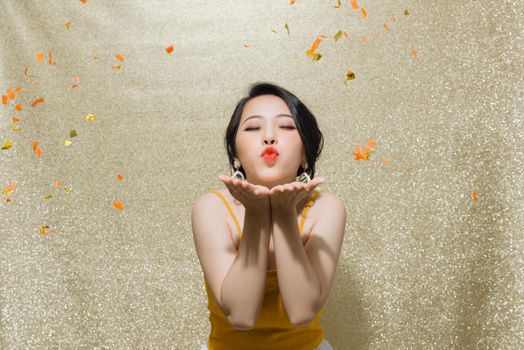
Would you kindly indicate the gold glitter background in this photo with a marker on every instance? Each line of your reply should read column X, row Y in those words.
column 432, row 255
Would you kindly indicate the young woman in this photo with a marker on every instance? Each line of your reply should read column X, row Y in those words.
column 269, row 245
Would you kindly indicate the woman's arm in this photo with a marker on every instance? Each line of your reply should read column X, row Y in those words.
column 244, row 284
column 298, row 283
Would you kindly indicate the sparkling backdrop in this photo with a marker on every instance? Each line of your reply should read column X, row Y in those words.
column 432, row 255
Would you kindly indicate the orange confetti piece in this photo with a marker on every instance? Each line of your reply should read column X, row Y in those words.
column 4, row 99
column 386, row 26
column 40, row 57
column 475, row 197
column 371, row 143
column 96, row 58
column 169, row 49
column 50, row 56
column 18, row 90
column 313, row 48
column 119, row 177
column 7, row 200
column 116, row 67
column 364, row 155
column 10, row 94
column 37, row 101
column 15, row 119
column 363, row 13
column 42, row 230
column 36, row 149
column 292, row 2
column 118, row 205
column 9, row 188
column 58, row 183
column 354, row 4
column 414, row 53
column 83, row 1
column 119, row 57
column 18, row 107
column 359, row 154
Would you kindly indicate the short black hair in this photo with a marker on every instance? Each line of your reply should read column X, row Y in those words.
column 305, row 121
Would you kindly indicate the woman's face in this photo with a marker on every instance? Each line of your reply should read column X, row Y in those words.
column 271, row 126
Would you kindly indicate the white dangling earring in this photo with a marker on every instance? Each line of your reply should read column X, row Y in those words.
column 304, row 177
column 237, row 173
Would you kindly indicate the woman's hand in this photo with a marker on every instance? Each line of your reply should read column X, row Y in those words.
column 255, row 197
column 287, row 196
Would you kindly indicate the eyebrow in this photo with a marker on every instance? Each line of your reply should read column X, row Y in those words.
column 259, row 116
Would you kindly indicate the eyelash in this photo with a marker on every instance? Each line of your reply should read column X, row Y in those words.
column 285, row 127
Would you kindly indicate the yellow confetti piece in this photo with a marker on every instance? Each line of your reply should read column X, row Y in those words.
column 350, row 75
column 406, row 13
column 72, row 133
column 67, row 142
column 48, row 197
column 67, row 190
column 316, row 56
column 337, row 36
column 67, row 25
column 287, row 28
column 15, row 128
column 7, row 144
column 90, row 117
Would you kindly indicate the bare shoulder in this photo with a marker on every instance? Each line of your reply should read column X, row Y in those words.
column 329, row 207
column 209, row 203
column 328, row 202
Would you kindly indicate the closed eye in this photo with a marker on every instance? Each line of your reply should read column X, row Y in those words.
column 283, row 127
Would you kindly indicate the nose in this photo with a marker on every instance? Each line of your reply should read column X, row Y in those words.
column 269, row 137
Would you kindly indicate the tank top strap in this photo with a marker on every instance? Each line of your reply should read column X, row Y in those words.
column 308, row 205
column 228, row 208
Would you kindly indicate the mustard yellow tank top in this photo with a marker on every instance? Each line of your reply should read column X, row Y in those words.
column 272, row 330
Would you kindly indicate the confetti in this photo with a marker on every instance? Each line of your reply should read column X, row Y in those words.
column 169, row 49
column 42, row 229
column 40, row 57
column 118, row 205
column 7, row 144
column 37, row 101
column 36, row 149
column 9, row 188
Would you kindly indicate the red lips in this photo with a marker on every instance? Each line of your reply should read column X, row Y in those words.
column 269, row 151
